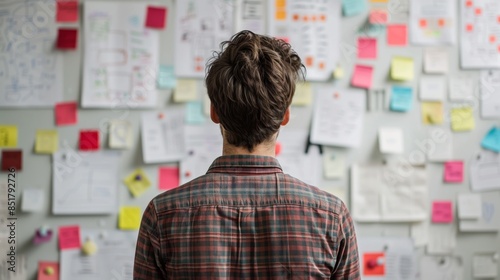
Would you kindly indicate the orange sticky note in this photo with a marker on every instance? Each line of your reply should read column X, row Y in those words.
column 374, row 264
column 67, row 11
column 168, row 178
column 442, row 212
column 66, row 113
column 454, row 171
column 48, row 270
column 362, row 76
column 69, row 237
column 397, row 35
column 367, row 48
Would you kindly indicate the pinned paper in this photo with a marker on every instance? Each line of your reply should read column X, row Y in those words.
column 168, row 178
column 432, row 88
column 42, row 235
column 333, row 164
column 32, row 200
column 166, row 77
column 89, row 140
column 8, row 136
column 397, row 35
column 485, row 265
column 48, row 271
column 391, row 140
column 67, row 11
column 362, row 76
column 66, row 113
column 436, row 61
column 137, row 182
column 129, row 217
column 469, row 206
column 454, row 171
column 194, row 112
column 461, row 88
column 367, row 48
column 67, row 38
column 120, row 134
column 303, row 94
column 492, row 140
column 47, row 141
column 69, row 237
column 432, row 112
column 374, row 264
column 353, row 7
column 378, row 16
column 401, row 98
column 442, row 212
column 462, row 119
column 402, row 68
column 186, row 90
column 12, row 159
column 155, row 17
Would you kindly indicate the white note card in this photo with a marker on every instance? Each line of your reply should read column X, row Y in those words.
column 391, row 140
column 469, row 206
column 32, row 200
column 485, row 265
column 432, row 88
column 438, row 145
column 120, row 134
column 333, row 164
column 461, row 88
column 436, row 61
column 442, row 239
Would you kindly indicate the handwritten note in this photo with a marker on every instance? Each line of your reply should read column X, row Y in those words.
column 367, row 48
column 432, row 112
column 129, row 217
column 397, row 35
column 442, row 212
column 8, row 136
column 462, row 119
column 362, row 76
column 69, row 237
column 401, row 98
column 186, row 90
column 67, row 38
column 137, row 182
column 155, row 17
column 166, row 77
column 66, row 113
column 67, row 11
column 12, row 159
column 303, row 94
column 168, row 178
column 89, row 140
column 47, row 141
column 402, row 68
column 492, row 140
column 454, row 171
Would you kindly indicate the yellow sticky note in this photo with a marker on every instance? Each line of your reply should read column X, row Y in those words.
column 462, row 119
column 137, row 182
column 8, row 136
column 303, row 94
column 47, row 141
column 129, row 217
column 432, row 112
column 186, row 90
column 402, row 68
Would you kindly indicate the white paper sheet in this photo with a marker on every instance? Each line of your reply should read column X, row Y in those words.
column 250, row 15
column 485, row 171
column 489, row 221
column 490, row 94
column 163, row 136
column 432, row 88
column 443, row 239
column 114, row 258
column 469, row 206
column 338, row 117
column 31, row 71
column 200, row 27
column 391, row 140
column 441, row 267
column 313, row 30
column 420, row 233
column 433, row 22
column 32, row 200
column 485, row 265
column 438, row 145
column 333, row 163
column 120, row 61
column 85, row 182
column 462, row 88
column 389, row 193
column 479, row 34
column 436, row 61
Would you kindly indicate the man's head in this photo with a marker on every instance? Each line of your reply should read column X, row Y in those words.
column 251, row 83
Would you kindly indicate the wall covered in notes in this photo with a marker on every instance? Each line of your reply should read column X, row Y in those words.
column 103, row 106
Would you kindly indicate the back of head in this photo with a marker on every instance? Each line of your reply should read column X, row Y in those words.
column 251, row 83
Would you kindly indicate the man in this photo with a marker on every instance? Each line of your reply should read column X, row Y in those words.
column 246, row 219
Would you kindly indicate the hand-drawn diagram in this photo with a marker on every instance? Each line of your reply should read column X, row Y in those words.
column 30, row 68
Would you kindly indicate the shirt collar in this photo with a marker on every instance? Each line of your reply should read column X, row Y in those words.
column 245, row 164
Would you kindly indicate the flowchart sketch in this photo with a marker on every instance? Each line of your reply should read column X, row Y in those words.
column 30, row 67
column 120, row 56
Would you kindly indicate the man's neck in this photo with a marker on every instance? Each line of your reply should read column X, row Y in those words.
column 265, row 149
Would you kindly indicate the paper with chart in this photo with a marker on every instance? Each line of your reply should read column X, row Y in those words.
column 338, row 117
column 31, row 71
column 312, row 28
column 250, row 15
column 480, row 35
column 433, row 22
column 120, row 61
column 114, row 258
column 85, row 182
column 490, row 94
column 200, row 27
column 381, row 193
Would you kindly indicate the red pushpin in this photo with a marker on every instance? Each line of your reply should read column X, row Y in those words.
column 161, row 115
column 277, row 149
column 187, row 174
column 336, row 95
column 371, row 264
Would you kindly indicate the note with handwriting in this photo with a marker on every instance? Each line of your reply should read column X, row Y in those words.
column 69, row 237
column 469, row 206
column 362, row 77
column 66, row 113
column 402, row 68
column 454, row 171
column 367, row 48
column 432, row 112
column 137, row 182
column 442, row 212
column 168, row 178
column 47, row 141
column 8, row 136
column 129, row 218
column 401, row 98
column 462, row 119
column 397, row 35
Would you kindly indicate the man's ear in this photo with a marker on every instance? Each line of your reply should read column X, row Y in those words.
column 286, row 118
column 213, row 114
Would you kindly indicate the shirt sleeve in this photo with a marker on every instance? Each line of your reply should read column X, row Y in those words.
column 347, row 266
column 148, row 262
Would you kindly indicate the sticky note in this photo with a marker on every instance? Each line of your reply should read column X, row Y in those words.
column 69, row 237
column 166, row 77
column 66, row 113
column 186, row 90
column 374, row 264
column 492, row 140
column 353, row 7
column 155, row 17
column 120, row 134
column 168, row 178
column 470, row 206
column 89, row 140
column 137, row 182
column 432, row 88
column 303, row 94
column 436, row 61
column 391, row 140
column 401, row 98
column 47, row 141
column 8, row 136
column 12, row 159
column 67, row 38
column 367, row 48
column 32, row 200
column 442, row 212
column 333, row 164
column 402, row 68
column 129, row 217
column 462, row 119
column 67, row 11
column 378, row 16
column 194, row 112
column 397, row 35
column 432, row 112
column 48, row 270
column 454, row 171
column 362, row 76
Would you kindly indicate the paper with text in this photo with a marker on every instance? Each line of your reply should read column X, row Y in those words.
column 489, row 96
column 433, row 22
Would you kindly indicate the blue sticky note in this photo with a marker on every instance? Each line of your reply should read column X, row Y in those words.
column 401, row 98
column 353, row 7
column 194, row 112
column 166, row 77
column 492, row 140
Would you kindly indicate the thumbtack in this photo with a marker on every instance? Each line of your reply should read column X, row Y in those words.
column 161, row 115
column 187, row 174
column 49, row 270
column 89, row 247
column 43, row 231
column 138, row 177
column 380, row 261
column 371, row 264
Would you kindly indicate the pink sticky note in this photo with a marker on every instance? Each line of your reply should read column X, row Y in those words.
column 362, row 76
column 48, row 270
column 454, row 171
column 397, row 35
column 367, row 48
column 89, row 140
column 168, row 178
column 378, row 16
column 442, row 212
column 66, row 113
column 155, row 17
column 67, row 11
column 69, row 237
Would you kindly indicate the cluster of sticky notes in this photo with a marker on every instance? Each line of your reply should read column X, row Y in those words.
column 462, row 119
column 67, row 11
column 69, row 237
column 432, row 88
column 374, row 264
column 137, row 182
column 46, row 142
column 12, row 159
column 156, row 17
column 168, row 178
column 67, row 38
column 442, row 211
column 367, row 48
column 432, row 112
column 391, row 140
column 454, row 171
column 469, row 206
column 89, row 140
column 8, row 136
column 353, row 7
column 166, row 77
column 303, row 94
column 401, row 98
column 402, row 68
column 492, row 140
column 363, row 76
column 66, row 113
column 186, row 90
column 120, row 134
column 129, row 217
column 194, row 112
column 48, row 270
column 397, row 35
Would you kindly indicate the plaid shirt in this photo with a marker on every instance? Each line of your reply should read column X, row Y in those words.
column 245, row 219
